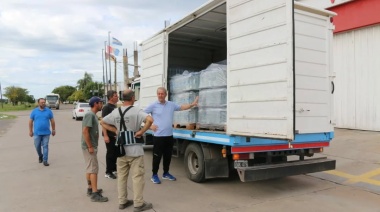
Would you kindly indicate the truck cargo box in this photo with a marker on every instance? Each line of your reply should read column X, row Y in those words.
column 278, row 56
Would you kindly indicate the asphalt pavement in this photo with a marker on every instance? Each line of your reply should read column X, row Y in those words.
column 26, row 185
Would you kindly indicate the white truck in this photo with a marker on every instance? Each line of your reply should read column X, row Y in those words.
column 279, row 86
column 53, row 100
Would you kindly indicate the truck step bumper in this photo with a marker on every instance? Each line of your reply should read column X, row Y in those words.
column 263, row 172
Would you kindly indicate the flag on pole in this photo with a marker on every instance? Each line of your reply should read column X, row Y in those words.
column 116, row 52
column 109, row 49
column 110, row 56
column 116, row 41
column 113, row 50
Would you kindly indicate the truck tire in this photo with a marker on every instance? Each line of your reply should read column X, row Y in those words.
column 194, row 163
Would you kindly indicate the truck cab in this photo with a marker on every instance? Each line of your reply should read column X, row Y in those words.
column 53, row 101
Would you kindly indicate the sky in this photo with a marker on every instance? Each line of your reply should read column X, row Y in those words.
column 45, row 44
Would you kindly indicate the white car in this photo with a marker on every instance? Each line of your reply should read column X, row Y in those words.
column 80, row 109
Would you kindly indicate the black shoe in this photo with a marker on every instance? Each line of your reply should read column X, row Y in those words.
column 127, row 204
column 143, row 207
column 110, row 175
column 40, row 159
column 97, row 197
column 46, row 163
column 89, row 191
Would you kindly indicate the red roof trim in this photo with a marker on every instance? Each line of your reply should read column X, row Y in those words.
column 356, row 14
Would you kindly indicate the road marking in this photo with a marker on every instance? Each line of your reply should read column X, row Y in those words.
column 366, row 177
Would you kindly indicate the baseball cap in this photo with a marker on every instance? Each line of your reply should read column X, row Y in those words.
column 95, row 99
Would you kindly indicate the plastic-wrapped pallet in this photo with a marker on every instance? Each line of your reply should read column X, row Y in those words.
column 212, row 118
column 216, row 97
column 184, row 82
column 185, row 117
column 214, row 76
column 184, row 98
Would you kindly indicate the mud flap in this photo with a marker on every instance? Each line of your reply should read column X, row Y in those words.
column 216, row 168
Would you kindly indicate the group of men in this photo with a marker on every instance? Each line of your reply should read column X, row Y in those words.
column 158, row 117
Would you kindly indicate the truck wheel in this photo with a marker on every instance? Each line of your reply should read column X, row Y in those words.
column 194, row 163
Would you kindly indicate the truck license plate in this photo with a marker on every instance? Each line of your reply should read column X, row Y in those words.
column 240, row 163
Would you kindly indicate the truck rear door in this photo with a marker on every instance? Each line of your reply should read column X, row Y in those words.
column 260, row 68
column 153, row 68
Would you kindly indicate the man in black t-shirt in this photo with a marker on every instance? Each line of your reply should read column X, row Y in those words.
column 110, row 137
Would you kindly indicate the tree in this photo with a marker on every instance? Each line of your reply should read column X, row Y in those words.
column 93, row 89
column 30, row 99
column 83, row 82
column 16, row 94
column 64, row 91
column 77, row 96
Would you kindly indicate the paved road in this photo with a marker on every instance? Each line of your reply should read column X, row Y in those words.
column 26, row 185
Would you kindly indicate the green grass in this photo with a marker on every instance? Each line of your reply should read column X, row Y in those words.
column 6, row 116
column 10, row 107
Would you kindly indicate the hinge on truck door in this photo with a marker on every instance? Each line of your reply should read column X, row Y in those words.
column 302, row 110
column 290, row 146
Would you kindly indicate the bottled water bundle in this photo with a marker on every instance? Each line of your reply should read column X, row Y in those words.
column 214, row 76
column 184, row 82
column 212, row 118
column 184, row 98
column 216, row 97
column 186, row 117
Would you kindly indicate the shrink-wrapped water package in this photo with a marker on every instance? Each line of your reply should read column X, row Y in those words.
column 216, row 97
column 212, row 117
column 184, row 82
column 185, row 117
column 214, row 76
column 184, row 98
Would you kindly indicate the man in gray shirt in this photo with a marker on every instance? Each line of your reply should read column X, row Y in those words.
column 133, row 160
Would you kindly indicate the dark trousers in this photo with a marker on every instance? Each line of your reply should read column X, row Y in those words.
column 162, row 147
column 111, row 155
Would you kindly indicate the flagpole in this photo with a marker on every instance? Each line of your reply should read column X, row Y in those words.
column 104, row 87
column 105, row 59
column 109, row 59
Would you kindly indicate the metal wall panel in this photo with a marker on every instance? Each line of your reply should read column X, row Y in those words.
column 357, row 87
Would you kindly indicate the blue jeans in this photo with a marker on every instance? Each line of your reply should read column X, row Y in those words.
column 42, row 141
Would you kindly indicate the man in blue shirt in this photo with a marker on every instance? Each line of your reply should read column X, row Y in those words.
column 39, row 128
column 162, row 112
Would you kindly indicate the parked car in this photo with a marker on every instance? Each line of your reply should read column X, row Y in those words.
column 80, row 109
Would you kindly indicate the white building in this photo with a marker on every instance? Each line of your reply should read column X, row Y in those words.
column 357, row 68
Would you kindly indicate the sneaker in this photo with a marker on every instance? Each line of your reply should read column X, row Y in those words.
column 155, row 179
column 89, row 191
column 110, row 175
column 40, row 159
column 46, row 163
column 97, row 197
column 127, row 204
column 145, row 206
column 168, row 176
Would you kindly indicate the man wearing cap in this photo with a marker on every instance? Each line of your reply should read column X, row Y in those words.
column 90, row 137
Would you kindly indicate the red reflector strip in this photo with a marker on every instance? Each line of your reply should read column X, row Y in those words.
column 278, row 147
